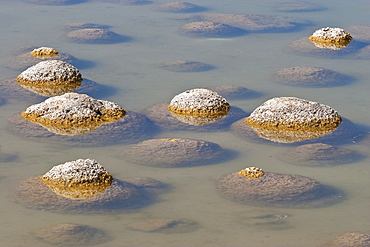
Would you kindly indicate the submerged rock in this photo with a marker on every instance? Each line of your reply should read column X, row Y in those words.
column 276, row 189
column 319, row 154
column 71, row 235
column 291, row 113
column 82, row 25
column 233, row 92
column 179, row 7
column 174, row 153
column 55, row 2
column 94, row 36
column 360, row 33
column 331, row 38
column 185, row 66
column 350, row 239
column 130, row 2
column 208, row 29
column 165, row 226
column 253, row 23
column 133, row 128
column 297, row 6
column 73, row 114
column 309, row 77
column 52, row 76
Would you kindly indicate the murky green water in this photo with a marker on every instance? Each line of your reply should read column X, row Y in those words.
column 131, row 69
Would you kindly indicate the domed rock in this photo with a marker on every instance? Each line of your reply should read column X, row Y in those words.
column 26, row 60
column 185, row 66
column 130, row 2
column 179, row 7
column 297, row 6
column 291, row 113
column 94, row 36
column 276, row 189
column 81, row 186
column 350, row 239
column 73, row 114
column 44, row 52
column 253, row 23
column 233, row 92
column 55, row 2
column 81, row 25
column 70, row 235
column 78, row 179
column 53, row 74
column 174, row 153
column 133, row 128
column 165, row 120
column 331, row 38
column 319, row 154
column 165, row 226
column 199, row 101
column 208, row 29
column 309, row 77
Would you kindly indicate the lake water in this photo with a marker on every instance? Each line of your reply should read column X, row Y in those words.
column 131, row 69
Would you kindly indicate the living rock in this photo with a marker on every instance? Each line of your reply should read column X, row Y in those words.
column 319, row 154
column 165, row 226
column 179, row 7
column 252, row 172
column 209, row 29
column 176, row 152
column 331, row 38
column 276, row 189
column 55, row 2
column 198, row 102
column 69, row 234
column 297, row 6
column 350, row 239
column 73, row 114
column 233, row 92
column 360, row 33
column 93, row 36
column 44, row 52
column 309, row 77
column 185, row 66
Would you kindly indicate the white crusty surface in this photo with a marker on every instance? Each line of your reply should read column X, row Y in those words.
column 292, row 109
column 80, row 170
column 72, row 106
column 330, row 33
column 198, row 98
column 51, row 70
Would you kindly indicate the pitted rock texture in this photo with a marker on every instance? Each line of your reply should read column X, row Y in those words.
column 294, row 114
column 350, row 239
column 44, row 52
column 331, row 35
column 199, row 101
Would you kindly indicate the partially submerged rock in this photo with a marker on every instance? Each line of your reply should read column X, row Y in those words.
column 276, row 189
column 199, row 102
column 73, row 114
column 209, row 29
column 179, row 7
column 78, row 179
column 69, row 234
column 292, row 113
column 44, row 52
column 179, row 152
column 165, row 226
column 331, row 38
column 309, row 77
column 185, row 66
column 51, row 77
column 94, row 36
column 350, row 239
column 319, row 154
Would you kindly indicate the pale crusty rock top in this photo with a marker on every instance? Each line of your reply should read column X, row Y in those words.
column 44, row 52
column 199, row 101
column 330, row 33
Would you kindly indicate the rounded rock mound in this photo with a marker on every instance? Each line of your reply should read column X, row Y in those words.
column 185, row 66
column 55, row 2
column 234, row 92
column 44, row 52
column 331, row 38
column 179, row 7
column 319, row 154
column 309, row 77
column 71, row 235
column 165, row 226
column 54, row 74
column 297, row 6
column 208, row 29
column 179, row 152
column 350, row 239
column 73, row 113
column 199, row 101
column 93, row 36
column 275, row 189
column 294, row 114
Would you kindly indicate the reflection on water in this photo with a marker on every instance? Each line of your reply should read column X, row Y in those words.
column 192, row 213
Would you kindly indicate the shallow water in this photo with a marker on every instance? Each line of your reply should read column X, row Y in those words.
column 138, row 83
